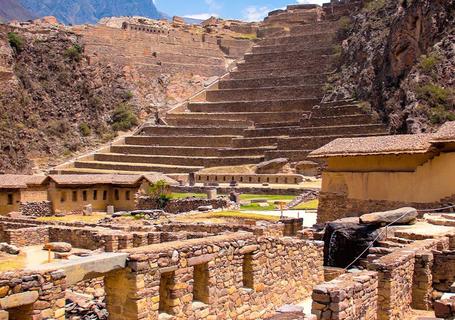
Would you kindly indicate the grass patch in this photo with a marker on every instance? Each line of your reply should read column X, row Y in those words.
column 242, row 215
column 268, row 197
column 16, row 41
column 85, row 130
column 257, row 207
column 187, row 195
column 247, row 36
column 74, row 52
column 74, row 218
column 310, row 205
column 441, row 101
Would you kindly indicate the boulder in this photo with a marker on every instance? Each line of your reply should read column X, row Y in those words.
column 9, row 248
column 58, row 246
column 307, row 168
column 205, row 208
column 408, row 216
column 272, row 166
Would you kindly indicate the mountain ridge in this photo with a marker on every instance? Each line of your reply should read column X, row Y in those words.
column 13, row 10
column 90, row 11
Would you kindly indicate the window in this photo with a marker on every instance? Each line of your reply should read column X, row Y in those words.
column 62, row 196
column 95, row 194
column 127, row 195
column 84, row 195
column 10, row 199
column 247, row 271
column 105, row 195
column 74, row 196
column 116, row 195
column 201, row 283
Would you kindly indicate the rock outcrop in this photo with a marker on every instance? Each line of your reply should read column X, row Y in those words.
column 399, row 57
column 399, row 216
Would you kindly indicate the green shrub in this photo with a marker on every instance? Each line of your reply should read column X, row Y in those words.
column 123, row 118
column 16, row 41
column 74, row 52
column 435, row 95
column 85, row 130
column 374, row 5
column 439, row 115
column 127, row 95
column 161, row 192
column 428, row 62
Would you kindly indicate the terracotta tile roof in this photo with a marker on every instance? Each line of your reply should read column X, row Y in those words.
column 397, row 144
column 17, row 181
column 446, row 133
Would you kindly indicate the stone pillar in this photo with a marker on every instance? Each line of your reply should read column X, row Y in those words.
column 126, row 297
column 211, row 194
column 422, row 286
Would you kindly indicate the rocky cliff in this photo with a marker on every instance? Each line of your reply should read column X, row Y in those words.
column 399, row 57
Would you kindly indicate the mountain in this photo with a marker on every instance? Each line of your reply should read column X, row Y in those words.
column 13, row 9
column 90, row 11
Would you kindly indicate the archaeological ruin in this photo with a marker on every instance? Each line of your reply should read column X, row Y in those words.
column 263, row 191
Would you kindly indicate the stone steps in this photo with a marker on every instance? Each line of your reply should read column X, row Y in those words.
column 246, row 142
column 360, row 129
column 270, row 93
column 188, row 141
column 311, row 79
column 292, row 155
column 292, row 54
column 181, row 130
column 282, row 72
column 256, row 117
column 135, row 167
column 283, row 48
column 311, row 28
column 188, row 151
column 203, row 119
column 320, row 63
column 338, row 120
column 255, row 106
column 178, row 160
column 290, row 40
column 248, row 151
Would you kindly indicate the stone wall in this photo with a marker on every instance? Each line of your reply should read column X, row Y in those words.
column 242, row 189
column 224, row 277
column 37, row 209
column 395, row 275
column 443, row 270
column 333, row 206
column 27, row 236
column 180, row 205
column 32, row 296
column 349, row 297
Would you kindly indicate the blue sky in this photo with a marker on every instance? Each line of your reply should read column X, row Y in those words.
column 250, row 10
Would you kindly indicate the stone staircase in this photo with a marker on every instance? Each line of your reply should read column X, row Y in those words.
column 269, row 107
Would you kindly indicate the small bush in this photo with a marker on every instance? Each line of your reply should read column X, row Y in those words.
column 58, row 127
column 439, row 115
column 434, row 94
column 16, row 41
column 85, row 130
column 161, row 192
column 427, row 63
column 374, row 5
column 127, row 95
column 123, row 118
column 74, row 53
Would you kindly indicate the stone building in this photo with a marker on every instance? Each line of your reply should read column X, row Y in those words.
column 387, row 172
column 43, row 195
column 16, row 189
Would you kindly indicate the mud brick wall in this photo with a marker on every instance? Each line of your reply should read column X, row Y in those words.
column 36, row 296
column 180, row 205
column 395, row 275
column 27, row 236
column 348, row 297
column 224, row 277
column 36, row 209
column 443, row 270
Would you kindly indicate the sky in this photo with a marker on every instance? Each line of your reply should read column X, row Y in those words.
column 248, row 10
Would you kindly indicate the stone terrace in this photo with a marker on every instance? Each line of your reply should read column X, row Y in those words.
column 269, row 107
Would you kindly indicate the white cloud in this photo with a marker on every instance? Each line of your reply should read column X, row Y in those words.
column 254, row 13
column 201, row 16
column 213, row 5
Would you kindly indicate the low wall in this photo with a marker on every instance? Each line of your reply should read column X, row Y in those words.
column 443, row 270
column 242, row 189
column 224, row 277
column 37, row 209
column 250, row 178
column 348, row 297
column 395, row 275
column 180, row 205
column 32, row 295
column 27, row 236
